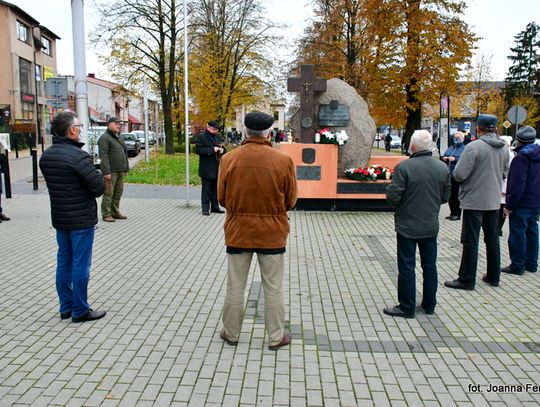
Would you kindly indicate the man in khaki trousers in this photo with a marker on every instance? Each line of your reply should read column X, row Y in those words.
column 114, row 166
column 257, row 186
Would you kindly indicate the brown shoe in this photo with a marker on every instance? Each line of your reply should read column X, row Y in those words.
column 108, row 219
column 284, row 341
column 224, row 336
column 119, row 216
column 3, row 217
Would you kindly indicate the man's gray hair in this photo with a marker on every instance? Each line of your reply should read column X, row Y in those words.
column 422, row 140
column 256, row 133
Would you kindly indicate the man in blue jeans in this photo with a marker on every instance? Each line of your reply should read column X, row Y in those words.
column 419, row 187
column 523, row 204
column 74, row 184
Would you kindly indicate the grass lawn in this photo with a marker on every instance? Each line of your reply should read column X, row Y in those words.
column 163, row 169
column 376, row 150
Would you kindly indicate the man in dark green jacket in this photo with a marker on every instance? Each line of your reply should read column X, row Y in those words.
column 114, row 166
column 420, row 186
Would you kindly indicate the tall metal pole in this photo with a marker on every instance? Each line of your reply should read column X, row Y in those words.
column 145, row 106
column 33, row 151
column 186, row 100
column 79, row 63
column 37, row 48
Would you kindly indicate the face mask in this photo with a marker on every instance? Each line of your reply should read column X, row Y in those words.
column 456, row 140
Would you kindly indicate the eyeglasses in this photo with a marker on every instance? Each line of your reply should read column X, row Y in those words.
column 80, row 126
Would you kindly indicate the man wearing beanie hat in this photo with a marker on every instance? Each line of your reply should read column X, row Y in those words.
column 257, row 186
column 210, row 150
column 481, row 169
column 523, row 204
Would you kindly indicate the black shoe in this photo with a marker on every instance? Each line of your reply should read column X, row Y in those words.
column 65, row 315
column 509, row 270
column 425, row 311
column 458, row 285
column 486, row 280
column 448, row 217
column 397, row 312
column 90, row 315
column 455, row 217
column 217, row 211
column 206, row 213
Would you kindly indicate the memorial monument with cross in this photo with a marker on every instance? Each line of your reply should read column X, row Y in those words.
column 335, row 106
column 307, row 84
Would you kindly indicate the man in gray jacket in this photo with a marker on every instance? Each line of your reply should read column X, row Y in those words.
column 419, row 187
column 481, row 169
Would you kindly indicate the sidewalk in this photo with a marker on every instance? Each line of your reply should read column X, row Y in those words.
column 161, row 276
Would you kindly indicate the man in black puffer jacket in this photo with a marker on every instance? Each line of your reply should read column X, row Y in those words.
column 74, row 184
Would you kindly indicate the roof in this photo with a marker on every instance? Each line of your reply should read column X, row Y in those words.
column 22, row 13
column 104, row 83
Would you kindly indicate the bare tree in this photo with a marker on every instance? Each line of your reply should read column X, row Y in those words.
column 143, row 37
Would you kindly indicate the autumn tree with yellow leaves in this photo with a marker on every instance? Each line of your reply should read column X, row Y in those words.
column 229, row 60
column 398, row 54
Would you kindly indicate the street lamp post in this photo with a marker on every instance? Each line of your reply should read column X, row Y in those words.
column 37, row 48
column 33, row 152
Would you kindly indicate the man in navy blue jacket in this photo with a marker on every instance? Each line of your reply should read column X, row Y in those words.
column 210, row 150
column 74, row 184
column 523, row 204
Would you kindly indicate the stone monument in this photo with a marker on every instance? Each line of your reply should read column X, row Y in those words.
column 340, row 107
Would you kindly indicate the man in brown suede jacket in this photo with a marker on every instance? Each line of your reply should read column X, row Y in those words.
column 257, row 186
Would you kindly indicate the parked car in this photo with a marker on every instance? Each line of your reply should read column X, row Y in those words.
column 151, row 138
column 396, row 142
column 139, row 134
column 133, row 145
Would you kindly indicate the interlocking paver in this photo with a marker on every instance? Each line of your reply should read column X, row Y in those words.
column 162, row 279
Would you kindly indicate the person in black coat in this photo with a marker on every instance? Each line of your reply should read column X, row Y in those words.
column 210, row 150
column 74, row 184
column 387, row 142
column 3, row 162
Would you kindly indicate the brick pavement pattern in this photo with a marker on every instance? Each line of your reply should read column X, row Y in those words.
column 161, row 275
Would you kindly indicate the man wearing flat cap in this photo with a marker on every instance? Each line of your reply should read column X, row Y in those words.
column 481, row 169
column 257, row 186
column 210, row 150
column 114, row 166
column 523, row 204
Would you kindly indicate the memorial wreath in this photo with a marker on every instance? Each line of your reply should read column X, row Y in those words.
column 372, row 173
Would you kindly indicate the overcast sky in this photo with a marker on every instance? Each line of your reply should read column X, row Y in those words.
column 496, row 21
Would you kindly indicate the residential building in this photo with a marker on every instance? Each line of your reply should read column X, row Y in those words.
column 27, row 59
column 107, row 99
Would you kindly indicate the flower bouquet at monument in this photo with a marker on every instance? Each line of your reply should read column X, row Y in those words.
column 372, row 173
column 325, row 136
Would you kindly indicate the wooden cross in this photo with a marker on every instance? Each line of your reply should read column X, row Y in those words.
column 307, row 85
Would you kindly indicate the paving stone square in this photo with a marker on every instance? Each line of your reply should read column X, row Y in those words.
column 161, row 276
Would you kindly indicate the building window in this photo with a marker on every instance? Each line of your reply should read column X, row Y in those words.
column 22, row 31
column 46, row 46
column 27, row 110
column 38, row 81
column 25, row 76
